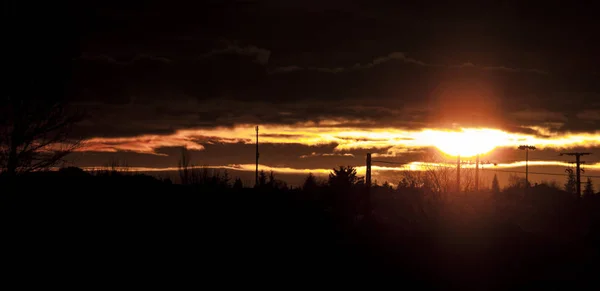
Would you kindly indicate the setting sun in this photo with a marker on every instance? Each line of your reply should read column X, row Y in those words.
column 467, row 142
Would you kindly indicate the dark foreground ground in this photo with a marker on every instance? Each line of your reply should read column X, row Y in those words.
column 134, row 231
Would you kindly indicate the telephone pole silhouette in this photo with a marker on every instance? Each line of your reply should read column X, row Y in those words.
column 458, row 173
column 256, row 173
column 367, row 201
column 577, row 161
column 527, row 148
column 477, row 173
column 368, row 172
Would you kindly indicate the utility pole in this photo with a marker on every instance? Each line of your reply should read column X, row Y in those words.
column 477, row 173
column 368, row 172
column 458, row 173
column 256, row 173
column 578, row 161
column 367, row 204
column 526, row 148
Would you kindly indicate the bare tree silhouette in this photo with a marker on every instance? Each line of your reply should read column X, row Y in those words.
column 516, row 182
column 433, row 178
column 34, row 134
column 183, row 166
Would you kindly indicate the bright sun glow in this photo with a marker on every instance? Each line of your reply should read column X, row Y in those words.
column 467, row 142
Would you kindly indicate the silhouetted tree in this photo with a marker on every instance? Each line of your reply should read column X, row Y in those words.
column 516, row 182
column 589, row 188
column 403, row 184
column 34, row 134
column 343, row 177
column 438, row 179
column 279, row 185
column 262, row 179
column 571, row 184
column 387, row 185
column 204, row 176
column 73, row 172
column 550, row 184
column 495, row 184
column 183, row 167
column 310, row 183
column 225, row 179
column 237, row 184
column 115, row 166
column 271, row 182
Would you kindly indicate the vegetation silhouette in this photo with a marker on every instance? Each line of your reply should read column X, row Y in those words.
column 495, row 185
column 589, row 188
column 34, row 134
column 571, row 183
column 492, row 239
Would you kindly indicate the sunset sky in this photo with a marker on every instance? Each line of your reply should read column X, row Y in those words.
column 329, row 81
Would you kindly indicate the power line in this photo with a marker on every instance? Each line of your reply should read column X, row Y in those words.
column 535, row 173
column 527, row 148
column 515, row 172
column 487, row 169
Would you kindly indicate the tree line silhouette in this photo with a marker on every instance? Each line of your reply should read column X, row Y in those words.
column 495, row 235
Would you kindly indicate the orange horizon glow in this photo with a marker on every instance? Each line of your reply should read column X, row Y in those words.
column 465, row 142
column 412, row 166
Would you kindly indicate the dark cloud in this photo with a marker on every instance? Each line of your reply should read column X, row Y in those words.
column 159, row 67
column 401, row 57
column 180, row 94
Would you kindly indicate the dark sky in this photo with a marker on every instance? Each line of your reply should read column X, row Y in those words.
column 150, row 67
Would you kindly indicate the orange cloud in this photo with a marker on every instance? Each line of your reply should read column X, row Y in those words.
column 464, row 141
column 146, row 144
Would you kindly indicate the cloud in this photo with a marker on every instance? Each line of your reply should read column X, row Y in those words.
column 147, row 144
column 539, row 115
column 397, row 151
column 139, row 116
column 345, row 139
column 589, row 115
column 286, row 69
column 260, row 55
column 402, row 57
column 514, row 70
column 314, row 154
column 228, row 90
column 398, row 56
column 498, row 68
column 108, row 59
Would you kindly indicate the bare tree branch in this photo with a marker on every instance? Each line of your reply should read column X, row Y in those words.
column 34, row 134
